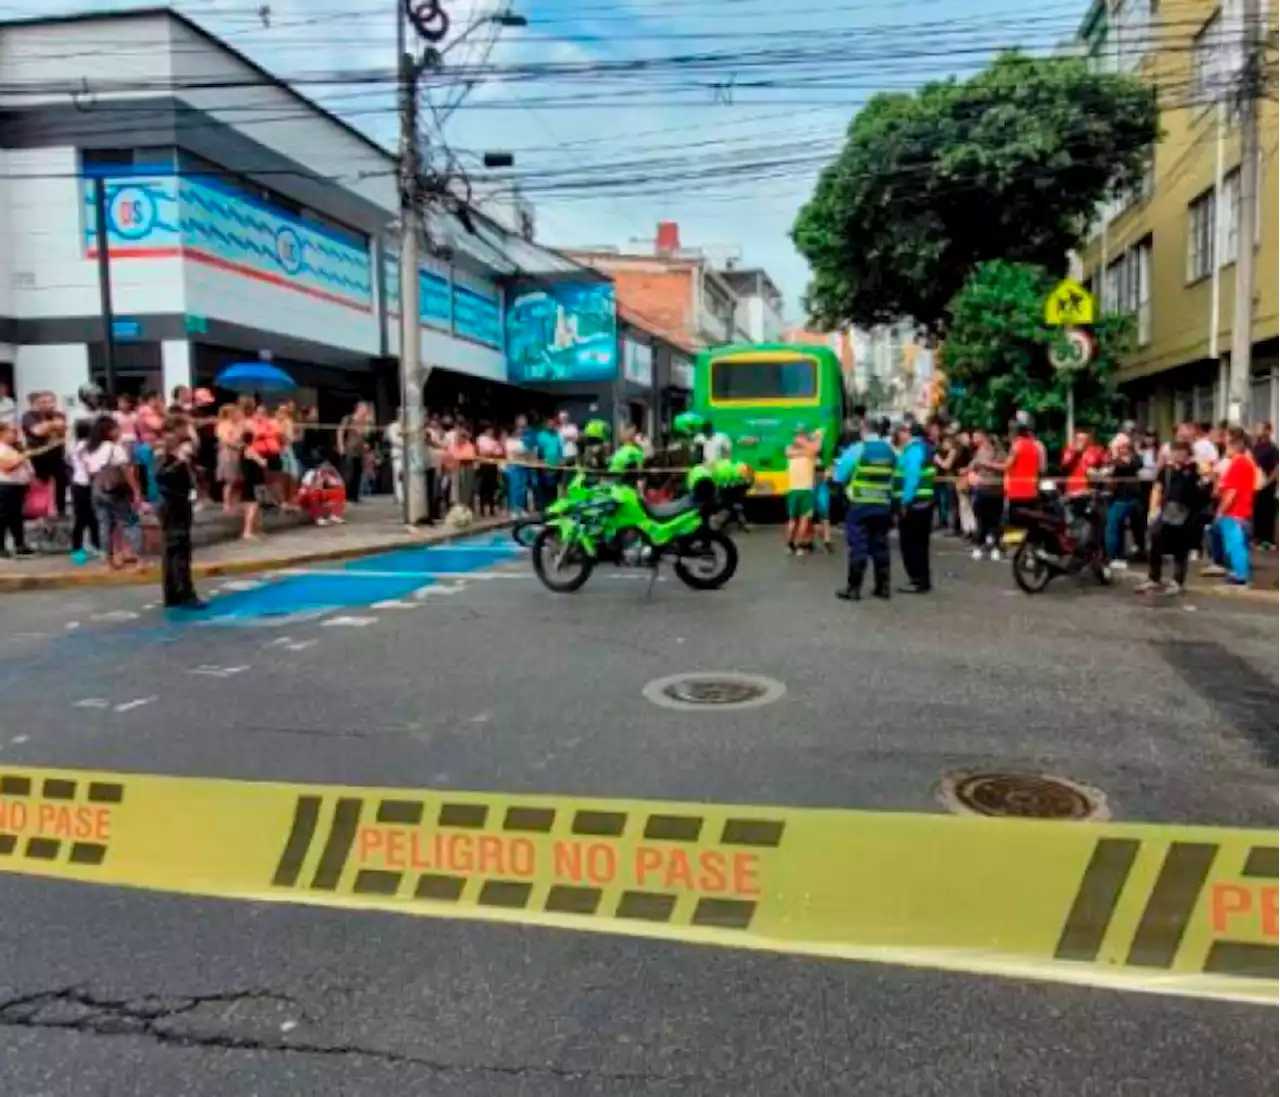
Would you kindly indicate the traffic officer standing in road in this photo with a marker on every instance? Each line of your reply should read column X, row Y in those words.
column 914, row 492
column 867, row 468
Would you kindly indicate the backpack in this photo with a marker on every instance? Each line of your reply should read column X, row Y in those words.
column 110, row 480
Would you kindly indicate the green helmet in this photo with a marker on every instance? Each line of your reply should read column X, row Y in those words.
column 629, row 457
column 687, row 424
column 596, row 430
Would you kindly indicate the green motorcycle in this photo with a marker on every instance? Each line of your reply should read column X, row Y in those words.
column 613, row 523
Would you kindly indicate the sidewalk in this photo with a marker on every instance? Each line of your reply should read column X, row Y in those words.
column 1263, row 582
column 372, row 526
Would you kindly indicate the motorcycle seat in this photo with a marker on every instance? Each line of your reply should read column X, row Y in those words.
column 664, row 512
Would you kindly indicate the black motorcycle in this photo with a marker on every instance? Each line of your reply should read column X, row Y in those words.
column 1058, row 537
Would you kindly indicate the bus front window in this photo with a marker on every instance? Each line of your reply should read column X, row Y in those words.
column 744, row 379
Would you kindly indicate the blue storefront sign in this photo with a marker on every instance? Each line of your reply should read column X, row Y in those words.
column 562, row 331
column 477, row 316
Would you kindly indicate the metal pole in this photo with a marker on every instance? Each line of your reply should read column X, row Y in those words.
column 412, row 379
column 1219, row 219
column 104, row 281
column 1246, row 219
column 1071, row 408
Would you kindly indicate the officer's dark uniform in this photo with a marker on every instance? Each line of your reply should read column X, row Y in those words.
column 176, row 480
column 868, row 517
column 915, row 518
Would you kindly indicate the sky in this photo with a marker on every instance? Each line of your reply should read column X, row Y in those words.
column 716, row 114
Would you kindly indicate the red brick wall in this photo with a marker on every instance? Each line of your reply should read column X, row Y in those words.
column 663, row 298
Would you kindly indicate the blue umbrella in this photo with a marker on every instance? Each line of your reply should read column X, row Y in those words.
column 255, row 377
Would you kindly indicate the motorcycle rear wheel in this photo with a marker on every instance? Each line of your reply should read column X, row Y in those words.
column 570, row 567
column 709, row 545
column 525, row 530
column 1030, row 572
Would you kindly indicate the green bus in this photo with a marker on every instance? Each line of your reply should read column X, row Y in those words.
column 760, row 394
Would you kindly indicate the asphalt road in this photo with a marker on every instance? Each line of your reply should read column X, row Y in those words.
column 488, row 682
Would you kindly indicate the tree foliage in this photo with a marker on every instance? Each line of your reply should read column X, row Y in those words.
column 1007, row 165
column 996, row 355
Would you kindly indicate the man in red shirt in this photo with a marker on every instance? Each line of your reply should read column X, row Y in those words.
column 1022, row 471
column 1235, row 506
column 1078, row 460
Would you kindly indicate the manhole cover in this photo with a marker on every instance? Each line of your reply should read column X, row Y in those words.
column 1021, row 796
column 699, row 692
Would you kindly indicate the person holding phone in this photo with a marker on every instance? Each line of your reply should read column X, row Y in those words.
column 176, row 481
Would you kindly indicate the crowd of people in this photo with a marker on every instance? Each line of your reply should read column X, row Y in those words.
column 1209, row 490
column 247, row 455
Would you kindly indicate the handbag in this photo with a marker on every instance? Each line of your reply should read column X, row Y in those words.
column 38, row 501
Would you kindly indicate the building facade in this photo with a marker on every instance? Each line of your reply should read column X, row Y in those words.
column 759, row 309
column 242, row 221
column 1166, row 252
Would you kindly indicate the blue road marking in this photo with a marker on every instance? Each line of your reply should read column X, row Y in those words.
column 384, row 577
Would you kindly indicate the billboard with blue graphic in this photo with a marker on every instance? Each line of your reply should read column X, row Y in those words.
column 562, row 331
column 205, row 221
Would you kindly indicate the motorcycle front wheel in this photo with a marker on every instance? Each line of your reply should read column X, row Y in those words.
column 707, row 561
column 1030, row 572
column 562, row 568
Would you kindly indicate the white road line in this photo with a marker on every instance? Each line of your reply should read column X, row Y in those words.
column 279, row 642
column 349, row 622
column 394, row 603
column 93, row 702
column 412, row 574
column 18, row 740
column 217, row 672
column 116, row 615
column 301, row 645
column 241, row 584
column 73, row 624
column 138, row 703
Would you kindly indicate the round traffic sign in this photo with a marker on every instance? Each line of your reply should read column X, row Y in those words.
column 1075, row 352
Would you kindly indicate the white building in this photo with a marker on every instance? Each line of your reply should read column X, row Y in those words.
column 759, row 308
column 242, row 221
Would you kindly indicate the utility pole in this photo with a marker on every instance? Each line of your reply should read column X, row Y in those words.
column 412, row 381
column 103, row 243
column 1246, row 217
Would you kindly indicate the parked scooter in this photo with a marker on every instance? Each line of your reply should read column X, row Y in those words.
column 1060, row 537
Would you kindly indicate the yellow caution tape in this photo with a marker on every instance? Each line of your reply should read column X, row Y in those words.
column 1176, row 909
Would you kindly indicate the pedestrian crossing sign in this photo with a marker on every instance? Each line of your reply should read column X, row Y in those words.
column 1070, row 304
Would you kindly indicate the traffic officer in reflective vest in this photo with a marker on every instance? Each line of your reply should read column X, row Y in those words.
column 913, row 485
column 867, row 470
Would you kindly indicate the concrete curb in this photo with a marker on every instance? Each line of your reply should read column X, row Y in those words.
column 12, row 584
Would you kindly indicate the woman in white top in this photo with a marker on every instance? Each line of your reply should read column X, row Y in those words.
column 82, row 495
column 116, row 493
column 15, row 476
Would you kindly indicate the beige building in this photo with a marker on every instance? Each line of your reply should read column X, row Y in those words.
column 1166, row 253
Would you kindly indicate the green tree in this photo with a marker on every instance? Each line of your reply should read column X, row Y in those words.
column 1007, row 165
column 996, row 356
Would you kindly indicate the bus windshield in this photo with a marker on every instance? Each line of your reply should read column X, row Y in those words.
column 764, row 379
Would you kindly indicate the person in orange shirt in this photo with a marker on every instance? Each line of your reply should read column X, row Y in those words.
column 1022, row 470
column 462, row 456
column 1079, row 459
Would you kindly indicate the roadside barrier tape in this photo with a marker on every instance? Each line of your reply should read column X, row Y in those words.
column 1170, row 909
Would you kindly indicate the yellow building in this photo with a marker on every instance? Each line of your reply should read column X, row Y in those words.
column 1166, row 253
